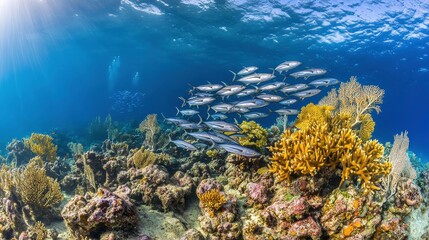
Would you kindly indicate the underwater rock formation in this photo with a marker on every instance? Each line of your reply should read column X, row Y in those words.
column 19, row 152
column 219, row 217
column 92, row 214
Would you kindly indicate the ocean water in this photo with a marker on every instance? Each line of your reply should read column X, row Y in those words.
column 62, row 63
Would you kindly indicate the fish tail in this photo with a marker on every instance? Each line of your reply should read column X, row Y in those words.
column 235, row 75
column 274, row 70
column 184, row 101
column 162, row 114
column 193, row 88
column 178, row 111
column 208, row 115
column 201, row 120
column 213, row 144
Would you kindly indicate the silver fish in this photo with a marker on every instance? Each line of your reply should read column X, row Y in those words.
column 224, row 137
column 252, row 103
column 191, row 126
column 203, row 94
column 307, row 93
column 230, row 90
column 185, row 145
column 324, row 82
column 270, row 97
column 288, row 101
column 272, row 86
column 222, row 107
column 208, row 87
column 247, row 70
column 205, row 136
column 294, row 88
column 239, row 110
column 199, row 101
column 308, row 73
column 217, row 116
column 255, row 115
column 186, row 112
column 285, row 111
column 247, row 92
column 256, row 78
column 239, row 150
column 286, row 66
column 222, row 126
column 175, row 121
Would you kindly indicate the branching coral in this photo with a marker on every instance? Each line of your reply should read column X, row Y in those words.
column 37, row 190
column 38, row 231
column 43, row 146
column 212, row 200
column 313, row 113
column 329, row 145
column 358, row 101
column 150, row 127
column 256, row 135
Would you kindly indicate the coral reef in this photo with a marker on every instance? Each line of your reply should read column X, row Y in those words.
column 329, row 145
column 19, row 152
column 43, row 146
column 313, row 114
column 358, row 101
column 256, row 135
column 90, row 215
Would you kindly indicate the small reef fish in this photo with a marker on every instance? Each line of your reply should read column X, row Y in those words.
column 286, row 66
column 252, row 103
column 222, row 126
column 230, row 90
column 324, row 82
column 307, row 93
column 186, row 112
column 294, row 88
column 221, row 107
column 239, row 150
column 208, row 87
column 285, row 111
column 244, row 71
column 217, row 116
column 254, row 115
column 308, row 73
column 288, row 101
column 247, row 92
column 199, row 101
column 271, row 86
column 256, row 78
column 184, row 145
column 270, row 97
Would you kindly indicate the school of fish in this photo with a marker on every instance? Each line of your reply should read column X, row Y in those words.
column 245, row 98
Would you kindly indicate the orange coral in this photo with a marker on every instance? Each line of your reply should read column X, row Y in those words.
column 213, row 200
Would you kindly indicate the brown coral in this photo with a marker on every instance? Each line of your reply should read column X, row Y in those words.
column 43, row 146
column 212, row 200
column 150, row 127
column 37, row 190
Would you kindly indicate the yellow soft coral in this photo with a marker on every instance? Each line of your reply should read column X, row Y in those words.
column 37, row 190
column 256, row 135
column 150, row 127
column 313, row 113
column 329, row 144
column 213, row 200
column 43, row 146
column 358, row 101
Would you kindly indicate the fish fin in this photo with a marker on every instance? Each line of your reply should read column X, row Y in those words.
column 213, row 144
column 239, row 115
column 184, row 101
column 269, row 110
column 178, row 111
column 208, row 115
column 224, row 83
column 274, row 70
column 235, row 121
column 284, row 79
column 235, row 75
column 305, row 78
column 209, row 82
column 193, row 88
column 208, row 109
column 201, row 120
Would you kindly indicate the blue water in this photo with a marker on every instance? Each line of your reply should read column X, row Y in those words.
column 55, row 55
